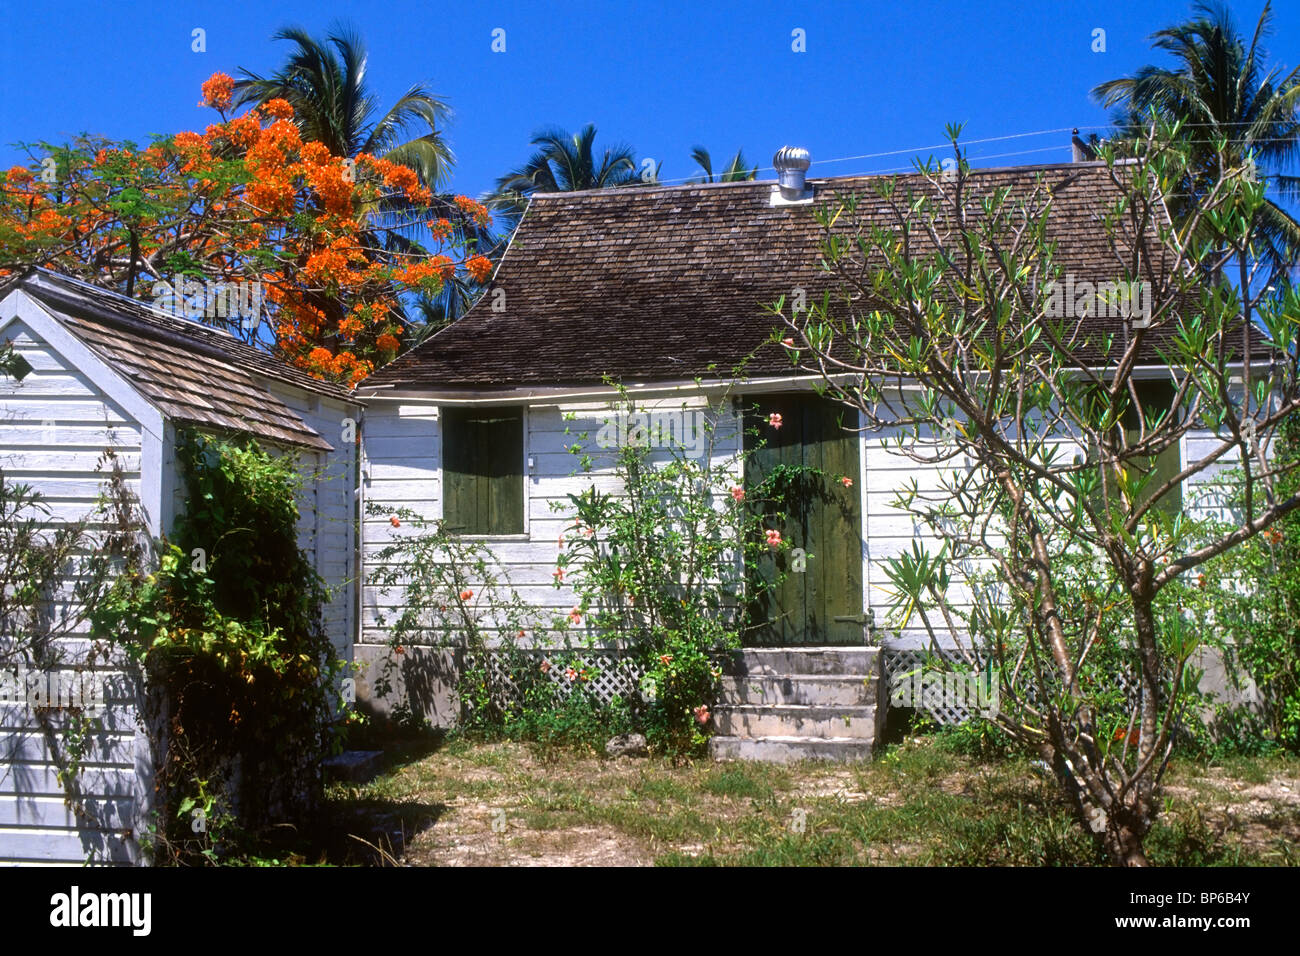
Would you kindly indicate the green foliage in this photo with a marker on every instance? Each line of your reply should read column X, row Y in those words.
column 977, row 737
column 577, row 719
column 663, row 564
column 1058, row 546
column 1251, row 596
column 228, row 630
column 12, row 363
column 682, row 682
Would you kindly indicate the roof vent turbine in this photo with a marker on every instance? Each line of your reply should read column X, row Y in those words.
column 791, row 164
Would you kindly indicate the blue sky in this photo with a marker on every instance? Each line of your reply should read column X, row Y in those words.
column 875, row 78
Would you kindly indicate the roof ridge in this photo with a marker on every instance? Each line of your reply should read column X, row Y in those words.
column 634, row 190
column 139, row 304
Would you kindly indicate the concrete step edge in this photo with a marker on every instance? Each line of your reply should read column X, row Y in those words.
column 799, row 710
column 802, row 678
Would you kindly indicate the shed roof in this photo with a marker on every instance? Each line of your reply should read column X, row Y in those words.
column 668, row 284
column 193, row 373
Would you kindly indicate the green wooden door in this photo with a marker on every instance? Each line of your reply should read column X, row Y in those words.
column 815, row 512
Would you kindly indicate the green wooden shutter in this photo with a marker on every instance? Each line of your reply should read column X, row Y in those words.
column 483, row 470
column 1156, row 397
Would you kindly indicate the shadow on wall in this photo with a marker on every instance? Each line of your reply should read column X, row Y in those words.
column 421, row 680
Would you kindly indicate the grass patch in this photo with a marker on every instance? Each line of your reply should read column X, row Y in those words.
column 738, row 780
column 925, row 801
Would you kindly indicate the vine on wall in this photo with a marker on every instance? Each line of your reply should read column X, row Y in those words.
column 239, row 671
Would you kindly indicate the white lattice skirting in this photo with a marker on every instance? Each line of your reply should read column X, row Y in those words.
column 602, row 674
column 948, row 708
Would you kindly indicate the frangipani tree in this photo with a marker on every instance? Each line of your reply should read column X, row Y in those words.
column 1058, row 534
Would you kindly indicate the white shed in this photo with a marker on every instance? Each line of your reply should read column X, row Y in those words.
column 107, row 371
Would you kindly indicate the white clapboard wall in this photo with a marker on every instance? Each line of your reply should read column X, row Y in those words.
column 54, row 425
column 401, row 468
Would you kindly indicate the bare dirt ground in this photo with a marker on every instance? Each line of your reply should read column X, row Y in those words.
column 504, row 804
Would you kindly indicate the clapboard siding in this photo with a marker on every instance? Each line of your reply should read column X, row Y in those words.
column 28, row 845
column 54, row 426
column 328, row 507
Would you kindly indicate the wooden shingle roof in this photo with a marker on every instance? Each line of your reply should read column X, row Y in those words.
column 194, row 374
column 667, row 284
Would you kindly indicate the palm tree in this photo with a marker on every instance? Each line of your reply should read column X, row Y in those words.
column 325, row 83
column 566, row 162
column 1221, row 88
column 735, row 171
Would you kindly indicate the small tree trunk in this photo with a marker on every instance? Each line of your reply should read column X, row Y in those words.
column 1123, row 840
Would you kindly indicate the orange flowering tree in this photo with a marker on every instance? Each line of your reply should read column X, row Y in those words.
column 246, row 201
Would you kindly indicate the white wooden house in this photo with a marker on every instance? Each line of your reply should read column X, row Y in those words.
column 108, row 371
column 662, row 290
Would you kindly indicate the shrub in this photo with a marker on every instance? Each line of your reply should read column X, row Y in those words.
column 1251, row 597
column 664, row 566
column 239, row 670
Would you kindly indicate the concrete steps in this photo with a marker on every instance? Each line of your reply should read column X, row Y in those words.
column 805, row 661
column 786, row 704
column 789, row 749
column 809, row 689
column 795, row 720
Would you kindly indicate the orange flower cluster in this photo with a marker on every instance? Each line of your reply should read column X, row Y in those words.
column 341, row 263
column 47, row 224
column 475, row 210
column 440, row 230
column 479, row 268
column 398, row 177
column 428, row 275
column 277, row 109
column 218, row 90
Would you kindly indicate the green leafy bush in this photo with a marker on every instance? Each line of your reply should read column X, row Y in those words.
column 228, row 630
column 1250, row 596
column 665, row 565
